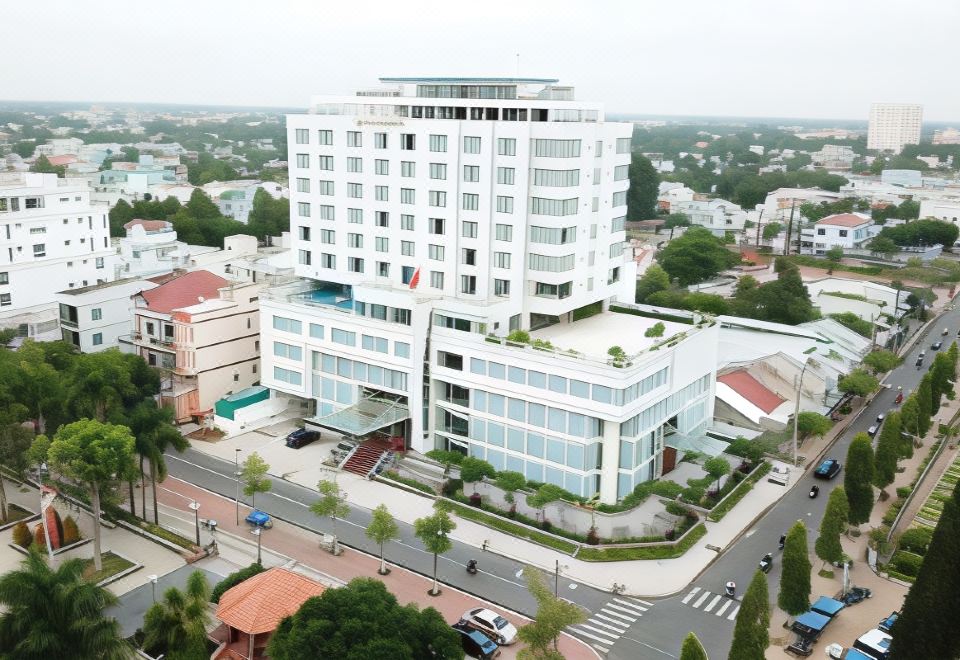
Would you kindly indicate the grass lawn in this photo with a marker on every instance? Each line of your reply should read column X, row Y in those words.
column 15, row 513
column 112, row 564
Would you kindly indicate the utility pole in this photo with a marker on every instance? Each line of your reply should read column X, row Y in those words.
column 786, row 247
column 759, row 223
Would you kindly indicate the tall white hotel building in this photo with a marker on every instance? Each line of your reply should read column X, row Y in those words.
column 433, row 217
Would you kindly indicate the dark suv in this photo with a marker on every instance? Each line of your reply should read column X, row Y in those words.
column 475, row 643
column 302, row 437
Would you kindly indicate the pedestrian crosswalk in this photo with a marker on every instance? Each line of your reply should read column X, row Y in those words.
column 610, row 622
column 715, row 604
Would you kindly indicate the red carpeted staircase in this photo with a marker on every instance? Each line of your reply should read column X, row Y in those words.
column 365, row 458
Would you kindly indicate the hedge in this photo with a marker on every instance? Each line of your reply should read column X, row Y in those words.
column 906, row 563
column 476, row 515
column 916, row 540
column 413, row 483
column 738, row 493
column 651, row 315
column 233, row 580
column 646, row 552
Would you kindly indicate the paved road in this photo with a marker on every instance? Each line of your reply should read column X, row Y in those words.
column 499, row 579
column 701, row 607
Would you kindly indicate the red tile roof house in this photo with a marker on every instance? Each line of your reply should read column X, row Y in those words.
column 202, row 332
column 846, row 230
column 753, row 400
column 252, row 610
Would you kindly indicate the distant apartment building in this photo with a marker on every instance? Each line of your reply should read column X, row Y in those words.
column 941, row 209
column 893, row 125
column 946, row 136
column 51, row 238
column 845, row 230
column 202, row 332
column 834, row 157
column 717, row 215
column 433, row 217
column 95, row 318
column 235, row 198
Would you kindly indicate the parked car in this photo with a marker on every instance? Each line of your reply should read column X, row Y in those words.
column 828, row 469
column 491, row 624
column 919, row 361
column 872, row 431
column 766, row 563
column 258, row 518
column 881, row 417
column 475, row 644
column 302, row 437
column 935, row 346
column 887, row 624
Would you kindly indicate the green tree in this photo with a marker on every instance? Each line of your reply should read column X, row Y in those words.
column 268, row 216
column 832, row 525
column 40, row 388
column 771, row 230
column 543, row 496
column 104, row 385
column 235, row 578
column 859, row 383
column 751, row 632
column 201, row 206
column 675, row 220
column 434, row 532
column 888, row 450
column 695, row 257
column 854, row 322
column 794, row 596
column 55, row 613
column 382, row 529
column 176, row 626
column 654, row 279
column 44, row 166
column 909, row 423
column 152, row 427
column 881, row 361
column 784, row 300
column 98, row 455
column 941, row 375
column 473, row 469
column 924, row 403
column 858, row 479
column 553, row 616
column 692, row 649
column 510, row 482
column 716, row 467
column 361, row 621
column 834, row 254
column 120, row 214
column 15, row 441
column 812, row 423
column 926, row 625
column 644, row 186
column 253, row 474
column 332, row 502
column 883, row 247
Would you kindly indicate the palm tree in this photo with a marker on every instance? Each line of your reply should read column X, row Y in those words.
column 177, row 626
column 153, row 429
column 56, row 614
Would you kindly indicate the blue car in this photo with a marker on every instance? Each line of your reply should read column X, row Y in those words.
column 259, row 519
column 828, row 469
column 887, row 624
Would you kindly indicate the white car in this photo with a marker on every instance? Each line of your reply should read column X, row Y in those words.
column 491, row 624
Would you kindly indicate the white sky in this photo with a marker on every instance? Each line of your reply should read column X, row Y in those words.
column 785, row 58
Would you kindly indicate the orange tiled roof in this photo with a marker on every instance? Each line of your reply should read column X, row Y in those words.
column 258, row 604
column 752, row 390
column 148, row 225
column 843, row 220
column 183, row 291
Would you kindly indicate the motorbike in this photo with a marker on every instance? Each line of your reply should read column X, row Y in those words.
column 814, row 491
column 783, row 540
column 472, row 567
column 730, row 589
column 856, row 594
column 899, row 398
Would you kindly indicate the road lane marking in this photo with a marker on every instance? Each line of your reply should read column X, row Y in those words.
column 600, row 648
column 606, row 618
column 618, row 615
column 690, row 595
column 630, row 604
column 584, row 633
column 607, row 625
column 724, row 607
column 643, row 602
column 703, row 597
column 613, row 637
column 622, row 609
column 733, row 614
column 713, row 603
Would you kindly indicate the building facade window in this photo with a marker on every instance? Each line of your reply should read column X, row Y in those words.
column 468, row 229
column 325, row 137
column 506, row 175
column 471, row 145
column 302, row 136
column 504, row 204
column 504, row 232
column 507, row 146
column 471, row 173
column 438, row 143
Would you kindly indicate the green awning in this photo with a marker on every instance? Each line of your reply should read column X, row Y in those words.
column 699, row 443
column 363, row 418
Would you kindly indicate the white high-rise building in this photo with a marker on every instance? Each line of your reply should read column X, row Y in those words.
column 51, row 238
column 893, row 125
column 435, row 216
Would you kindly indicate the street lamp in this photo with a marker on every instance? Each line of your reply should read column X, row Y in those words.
column 196, row 517
column 796, row 408
column 153, row 586
column 556, row 578
column 236, row 464
column 258, row 533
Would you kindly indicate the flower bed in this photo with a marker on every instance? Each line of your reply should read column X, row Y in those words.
column 744, row 487
column 663, row 551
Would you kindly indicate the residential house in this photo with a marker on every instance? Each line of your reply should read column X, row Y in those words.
column 844, row 230
column 95, row 318
column 717, row 215
column 150, row 248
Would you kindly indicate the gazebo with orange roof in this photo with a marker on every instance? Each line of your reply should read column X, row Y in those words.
column 252, row 610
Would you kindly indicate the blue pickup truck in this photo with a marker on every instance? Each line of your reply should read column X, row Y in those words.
column 259, row 519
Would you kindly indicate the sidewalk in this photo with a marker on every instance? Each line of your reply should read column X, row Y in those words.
column 667, row 576
column 285, row 542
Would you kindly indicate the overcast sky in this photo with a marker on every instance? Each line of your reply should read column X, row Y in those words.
column 784, row 58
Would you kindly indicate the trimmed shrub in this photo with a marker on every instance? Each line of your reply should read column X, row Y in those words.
column 906, row 563
column 233, row 580
column 21, row 535
column 71, row 533
column 38, row 536
column 446, row 457
column 451, row 486
column 916, row 540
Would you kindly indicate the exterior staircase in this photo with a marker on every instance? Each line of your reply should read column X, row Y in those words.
column 366, row 457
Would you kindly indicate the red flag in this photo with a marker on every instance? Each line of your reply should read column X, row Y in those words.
column 415, row 280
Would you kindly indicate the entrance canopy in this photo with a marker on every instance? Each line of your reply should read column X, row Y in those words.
column 365, row 417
